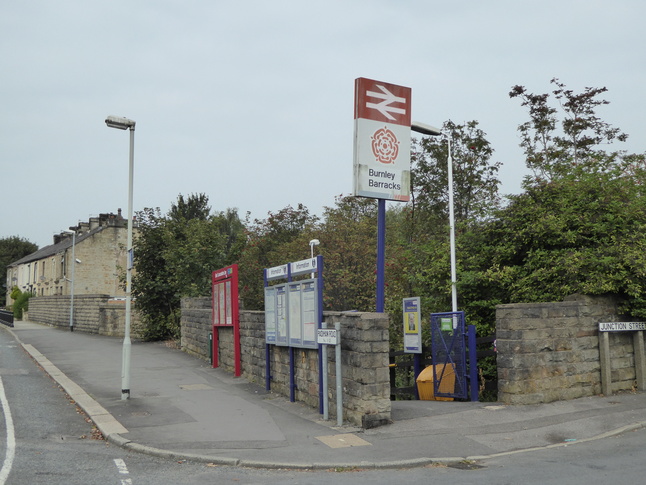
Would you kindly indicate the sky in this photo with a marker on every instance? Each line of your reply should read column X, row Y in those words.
column 252, row 102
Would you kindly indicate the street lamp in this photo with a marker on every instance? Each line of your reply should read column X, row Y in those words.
column 432, row 131
column 313, row 242
column 126, row 124
column 73, row 233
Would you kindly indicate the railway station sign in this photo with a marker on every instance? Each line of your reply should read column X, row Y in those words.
column 382, row 120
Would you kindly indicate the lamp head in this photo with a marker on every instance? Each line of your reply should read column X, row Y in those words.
column 425, row 129
column 315, row 242
column 119, row 123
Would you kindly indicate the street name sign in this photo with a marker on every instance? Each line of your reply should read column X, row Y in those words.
column 327, row 336
column 622, row 326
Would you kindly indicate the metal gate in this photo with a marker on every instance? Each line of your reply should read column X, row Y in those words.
column 448, row 349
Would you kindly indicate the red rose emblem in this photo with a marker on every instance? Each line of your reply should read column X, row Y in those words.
column 385, row 145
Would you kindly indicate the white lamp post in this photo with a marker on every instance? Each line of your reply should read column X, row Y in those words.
column 126, row 124
column 430, row 130
column 313, row 242
column 73, row 233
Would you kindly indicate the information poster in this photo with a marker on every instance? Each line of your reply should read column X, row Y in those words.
column 412, row 325
column 270, row 315
column 295, row 320
column 291, row 314
column 281, row 316
column 227, row 297
column 309, row 305
column 221, row 303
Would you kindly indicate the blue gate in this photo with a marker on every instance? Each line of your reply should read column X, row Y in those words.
column 448, row 350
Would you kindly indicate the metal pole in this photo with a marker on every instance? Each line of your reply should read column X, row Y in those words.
column 326, row 405
column 72, row 290
column 125, row 367
column 381, row 254
column 339, row 377
column 454, row 292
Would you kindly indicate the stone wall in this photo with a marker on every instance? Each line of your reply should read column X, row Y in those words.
column 364, row 359
column 550, row 351
column 100, row 314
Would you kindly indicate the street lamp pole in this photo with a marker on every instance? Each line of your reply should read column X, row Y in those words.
column 126, row 124
column 73, row 233
column 432, row 131
column 313, row 242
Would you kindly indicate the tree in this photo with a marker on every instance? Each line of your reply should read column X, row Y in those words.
column 556, row 139
column 282, row 237
column 582, row 233
column 348, row 238
column 475, row 182
column 196, row 206
column 12, row 249
column 175, row 256
column 156, row 298
column 422, row 227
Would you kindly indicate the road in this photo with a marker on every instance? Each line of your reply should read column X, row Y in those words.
column 46, row 439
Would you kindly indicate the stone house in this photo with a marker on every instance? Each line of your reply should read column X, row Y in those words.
column 100, row 253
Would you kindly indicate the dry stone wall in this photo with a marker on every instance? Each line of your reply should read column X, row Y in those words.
column 550, row 351
column 100, row 314
column 364, row 359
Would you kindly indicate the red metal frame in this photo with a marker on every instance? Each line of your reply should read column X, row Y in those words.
column 225, row 311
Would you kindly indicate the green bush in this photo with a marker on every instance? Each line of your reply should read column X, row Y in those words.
column 21, row 304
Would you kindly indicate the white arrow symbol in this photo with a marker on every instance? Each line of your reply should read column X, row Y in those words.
column 384, row 106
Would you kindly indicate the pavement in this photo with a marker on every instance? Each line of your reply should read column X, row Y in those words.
column 181, row 408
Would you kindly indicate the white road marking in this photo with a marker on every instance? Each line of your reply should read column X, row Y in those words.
column 123, row 469
column 11, row 437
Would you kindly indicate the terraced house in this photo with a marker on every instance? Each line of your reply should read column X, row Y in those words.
column 99, row 250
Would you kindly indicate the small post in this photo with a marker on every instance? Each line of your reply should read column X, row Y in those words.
column 267, row 367
column 604, row 357
column 326, row 399
column 640, row 359
column 211, row 347
column 292, row 380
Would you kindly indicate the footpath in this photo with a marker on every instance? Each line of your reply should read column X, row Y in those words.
column 181, row 408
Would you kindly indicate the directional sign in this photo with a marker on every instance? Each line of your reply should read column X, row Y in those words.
column 382, row 119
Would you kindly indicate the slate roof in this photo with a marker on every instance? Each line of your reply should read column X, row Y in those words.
column 54, row 249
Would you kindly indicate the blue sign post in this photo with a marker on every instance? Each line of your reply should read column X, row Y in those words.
column 382, row 121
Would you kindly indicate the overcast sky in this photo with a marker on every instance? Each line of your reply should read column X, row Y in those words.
column 251, row 102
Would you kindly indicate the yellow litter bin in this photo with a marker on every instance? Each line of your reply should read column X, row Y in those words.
column 425, row 382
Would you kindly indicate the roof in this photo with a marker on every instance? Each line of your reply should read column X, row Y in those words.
column 54, row 249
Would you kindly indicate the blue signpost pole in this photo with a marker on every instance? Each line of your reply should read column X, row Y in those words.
column 267, row 346
column 381, row 254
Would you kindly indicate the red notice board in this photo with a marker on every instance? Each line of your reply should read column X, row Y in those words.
column 225, row 310
column 225, row 296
